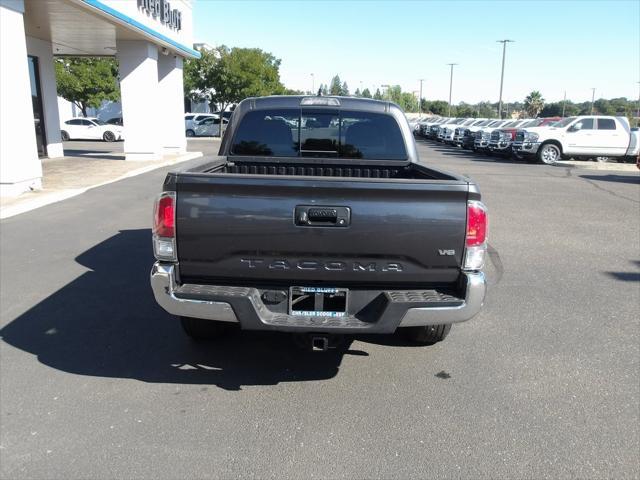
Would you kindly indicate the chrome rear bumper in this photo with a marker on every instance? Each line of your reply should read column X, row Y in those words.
column 243, row 305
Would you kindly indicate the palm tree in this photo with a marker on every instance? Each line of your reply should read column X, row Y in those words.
column 534, row 103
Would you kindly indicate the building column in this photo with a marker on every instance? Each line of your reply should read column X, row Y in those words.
column 44, row 52
column 20, row 167
column 171, row 104
column 138, row 68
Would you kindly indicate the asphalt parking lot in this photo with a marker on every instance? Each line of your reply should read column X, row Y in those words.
column 97, row 381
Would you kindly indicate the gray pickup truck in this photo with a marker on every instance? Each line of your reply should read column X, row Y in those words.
column 317, row 218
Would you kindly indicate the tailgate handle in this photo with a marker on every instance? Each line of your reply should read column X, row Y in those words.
column 321, row 216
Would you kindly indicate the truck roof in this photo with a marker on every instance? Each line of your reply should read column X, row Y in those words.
column 315, row 101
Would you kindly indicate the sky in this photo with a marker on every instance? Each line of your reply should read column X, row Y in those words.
column 560, row 46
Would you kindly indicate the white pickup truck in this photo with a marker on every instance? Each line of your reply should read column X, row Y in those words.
column 589, row 136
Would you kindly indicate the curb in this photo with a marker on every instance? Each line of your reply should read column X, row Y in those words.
column 60, row 195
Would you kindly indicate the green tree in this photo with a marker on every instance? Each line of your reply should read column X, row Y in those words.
column 393, row 93
column 366, row 93
column 335, row 88
column 223, row 76
column 357, row 93
column 344, row 89
column 554, row 109
column 486, row 110
column 466, row 110
column 244, row 72
column 534, row 103
column 408, row 102
column 377, row 95
column 325, row 90
column 87, row 81
column 439, row 107
column 608, row 107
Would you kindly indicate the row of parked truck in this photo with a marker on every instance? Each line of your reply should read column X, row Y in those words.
column 545, row 140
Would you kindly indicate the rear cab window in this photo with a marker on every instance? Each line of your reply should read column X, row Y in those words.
column 319, row 133
column 606, row 124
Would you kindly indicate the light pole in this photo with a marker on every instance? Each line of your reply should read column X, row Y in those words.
column 564, row 102
column 638, row 111
column 386, row 94
column 313, row 84
column 450, row 85
column 593, row 97
column 420, row 99
column 504, row 53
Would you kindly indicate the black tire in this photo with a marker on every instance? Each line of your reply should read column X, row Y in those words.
column 427, row 335
column 202, row 330
column 109, row 136
column 190, row 133
column 64, row 135
column 549, row 153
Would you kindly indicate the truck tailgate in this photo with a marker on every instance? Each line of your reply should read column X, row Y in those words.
column 245, row 229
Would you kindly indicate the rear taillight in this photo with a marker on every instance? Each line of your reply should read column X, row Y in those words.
column 476, row 238
column 164, row 227
column 164, row 217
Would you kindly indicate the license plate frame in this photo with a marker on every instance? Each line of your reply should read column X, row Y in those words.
column 305, row 301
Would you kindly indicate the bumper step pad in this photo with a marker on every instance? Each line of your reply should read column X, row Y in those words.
column 381, row 315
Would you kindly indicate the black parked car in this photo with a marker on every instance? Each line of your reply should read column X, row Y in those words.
column 115, row 121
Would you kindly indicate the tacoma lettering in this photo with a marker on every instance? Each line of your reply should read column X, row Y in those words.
column 315, row 265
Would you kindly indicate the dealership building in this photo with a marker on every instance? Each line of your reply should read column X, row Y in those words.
column 149, row 38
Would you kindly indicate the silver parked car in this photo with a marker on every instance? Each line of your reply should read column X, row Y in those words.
column 208, row 127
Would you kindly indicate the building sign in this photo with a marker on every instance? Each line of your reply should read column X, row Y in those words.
column 161, row 9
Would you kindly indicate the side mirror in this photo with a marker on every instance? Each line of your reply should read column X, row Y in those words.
column 575, row 127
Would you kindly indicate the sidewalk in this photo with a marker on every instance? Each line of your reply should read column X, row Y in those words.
column 69, row 176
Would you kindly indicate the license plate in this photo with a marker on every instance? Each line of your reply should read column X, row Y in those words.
column 318, row 301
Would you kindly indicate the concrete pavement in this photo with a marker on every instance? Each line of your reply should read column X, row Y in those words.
column 96, row 381
column 89, row 164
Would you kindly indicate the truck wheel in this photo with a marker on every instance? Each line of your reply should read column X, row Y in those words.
column 199, row 329
column 549, row 153
column 428, row 335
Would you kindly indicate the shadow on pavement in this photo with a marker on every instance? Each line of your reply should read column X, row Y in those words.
column 93, row 154
column 614, row 178
column 106, row 323
column 627, row 276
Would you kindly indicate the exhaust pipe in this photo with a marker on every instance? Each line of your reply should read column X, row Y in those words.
column 320, row 343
